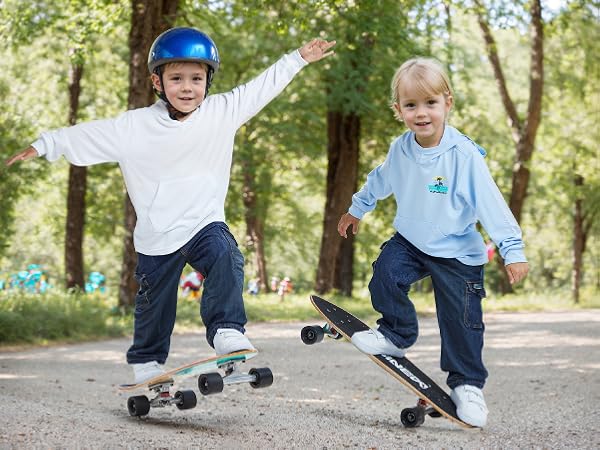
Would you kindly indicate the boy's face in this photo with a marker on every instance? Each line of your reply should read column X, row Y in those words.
column 425, row 114
column 185, row 84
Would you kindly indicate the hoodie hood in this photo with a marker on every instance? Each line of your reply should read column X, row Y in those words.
column 421, row 155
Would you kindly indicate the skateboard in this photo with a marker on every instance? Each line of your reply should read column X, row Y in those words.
column 210, row 381
column 433, row 400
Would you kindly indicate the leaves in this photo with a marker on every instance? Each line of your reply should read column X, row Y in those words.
column 284, row 147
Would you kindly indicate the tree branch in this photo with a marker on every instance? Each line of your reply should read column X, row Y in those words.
column 492, row 53
column 536, row 78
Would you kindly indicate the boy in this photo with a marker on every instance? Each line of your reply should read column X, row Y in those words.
column 175, row 157
column 442, row 187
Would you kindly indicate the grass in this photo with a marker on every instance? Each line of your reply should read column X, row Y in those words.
column 40, row 319
column 56, row 316
column 297, row 307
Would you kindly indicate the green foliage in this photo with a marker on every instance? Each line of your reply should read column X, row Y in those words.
column 73, row 317
column 12, row 185
column 568, row 147
column 284, row 146
column 38, row 318
column 33, row 194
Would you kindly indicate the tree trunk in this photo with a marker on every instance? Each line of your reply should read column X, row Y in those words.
column 523, row 131
column 74, row 277
column 255, row 225
column 342, row 172
column 128, row 285
column 344, row 273
column 578, row 241
column 149, row 18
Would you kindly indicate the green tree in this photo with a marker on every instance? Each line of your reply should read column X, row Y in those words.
column 524, row 129
column 571, row 134
column 372, row 38
column 79, row 24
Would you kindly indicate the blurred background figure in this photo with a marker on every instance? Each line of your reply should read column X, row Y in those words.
column 285, row 287
column 491, row 250
column 96, row 282
column 253, row 286
column 191, row 284
column 274, row 284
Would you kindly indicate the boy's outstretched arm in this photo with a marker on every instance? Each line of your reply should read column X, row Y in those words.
column 28, row 153
column 345, row 221
column 316, row 50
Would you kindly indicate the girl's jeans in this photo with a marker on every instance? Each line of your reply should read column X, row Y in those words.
column 458, row 292
column 214, row 253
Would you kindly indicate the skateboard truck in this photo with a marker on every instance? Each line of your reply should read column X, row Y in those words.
column 213, row 382
column 313, row 334
column 208, row 382
column 414, row 417
column 140, row 405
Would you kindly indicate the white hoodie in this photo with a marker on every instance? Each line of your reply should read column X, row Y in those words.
column 176, row 173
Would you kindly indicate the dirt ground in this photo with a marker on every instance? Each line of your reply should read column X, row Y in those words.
column 543, row 392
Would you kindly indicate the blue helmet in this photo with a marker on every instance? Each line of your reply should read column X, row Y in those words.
column 183, row 45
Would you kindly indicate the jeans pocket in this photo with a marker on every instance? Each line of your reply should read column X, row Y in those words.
column 142, row 298
column 381, row 247
column 229, row 237
column 473, row 315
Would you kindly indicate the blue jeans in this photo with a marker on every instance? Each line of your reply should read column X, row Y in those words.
column 458, row 290
column 214, row 253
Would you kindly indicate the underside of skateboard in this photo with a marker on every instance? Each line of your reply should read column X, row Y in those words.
column 208, row 383
column 410, row 417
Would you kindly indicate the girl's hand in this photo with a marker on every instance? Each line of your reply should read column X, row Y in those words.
column 517, row 271
column 345, row 221
column 28, row 153
column 316, row 49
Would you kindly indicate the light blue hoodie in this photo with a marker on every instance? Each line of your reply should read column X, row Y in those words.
column 441, row 192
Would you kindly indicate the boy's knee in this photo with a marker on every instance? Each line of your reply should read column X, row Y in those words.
column 225, row 257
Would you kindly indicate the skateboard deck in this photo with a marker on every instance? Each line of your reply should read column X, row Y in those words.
column 191, row 369
column 433, row 400
column 210, row 381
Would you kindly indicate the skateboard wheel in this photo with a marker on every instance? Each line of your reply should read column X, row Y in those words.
column 210, row 383
column 185, row 399
column 435, row 414
column 264, row 377
column 138, row 405
column 412, row 417
column 312, row 334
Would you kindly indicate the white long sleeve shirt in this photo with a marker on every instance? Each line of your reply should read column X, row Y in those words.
column 176, row 173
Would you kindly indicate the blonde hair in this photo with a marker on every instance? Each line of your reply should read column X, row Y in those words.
column 425, row 75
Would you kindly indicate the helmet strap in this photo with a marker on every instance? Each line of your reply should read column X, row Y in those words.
column 174, row 113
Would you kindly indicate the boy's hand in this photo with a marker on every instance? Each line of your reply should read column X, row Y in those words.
column 517, row 271
column 28, row 153
column 345, row 221
column 316, row 49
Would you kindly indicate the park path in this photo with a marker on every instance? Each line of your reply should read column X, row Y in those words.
column 543, row 392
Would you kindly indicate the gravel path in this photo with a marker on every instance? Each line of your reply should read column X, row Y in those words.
column 543, row 392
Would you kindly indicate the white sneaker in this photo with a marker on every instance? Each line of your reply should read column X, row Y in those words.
column 229, row 340
column 145, row 371
column 372, row 342
column 470, row 405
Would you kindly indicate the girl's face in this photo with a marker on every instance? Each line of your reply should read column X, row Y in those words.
column 425, row 114
column 185, row 85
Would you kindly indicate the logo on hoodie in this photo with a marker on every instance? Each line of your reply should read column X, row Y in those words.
column 438, row 187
